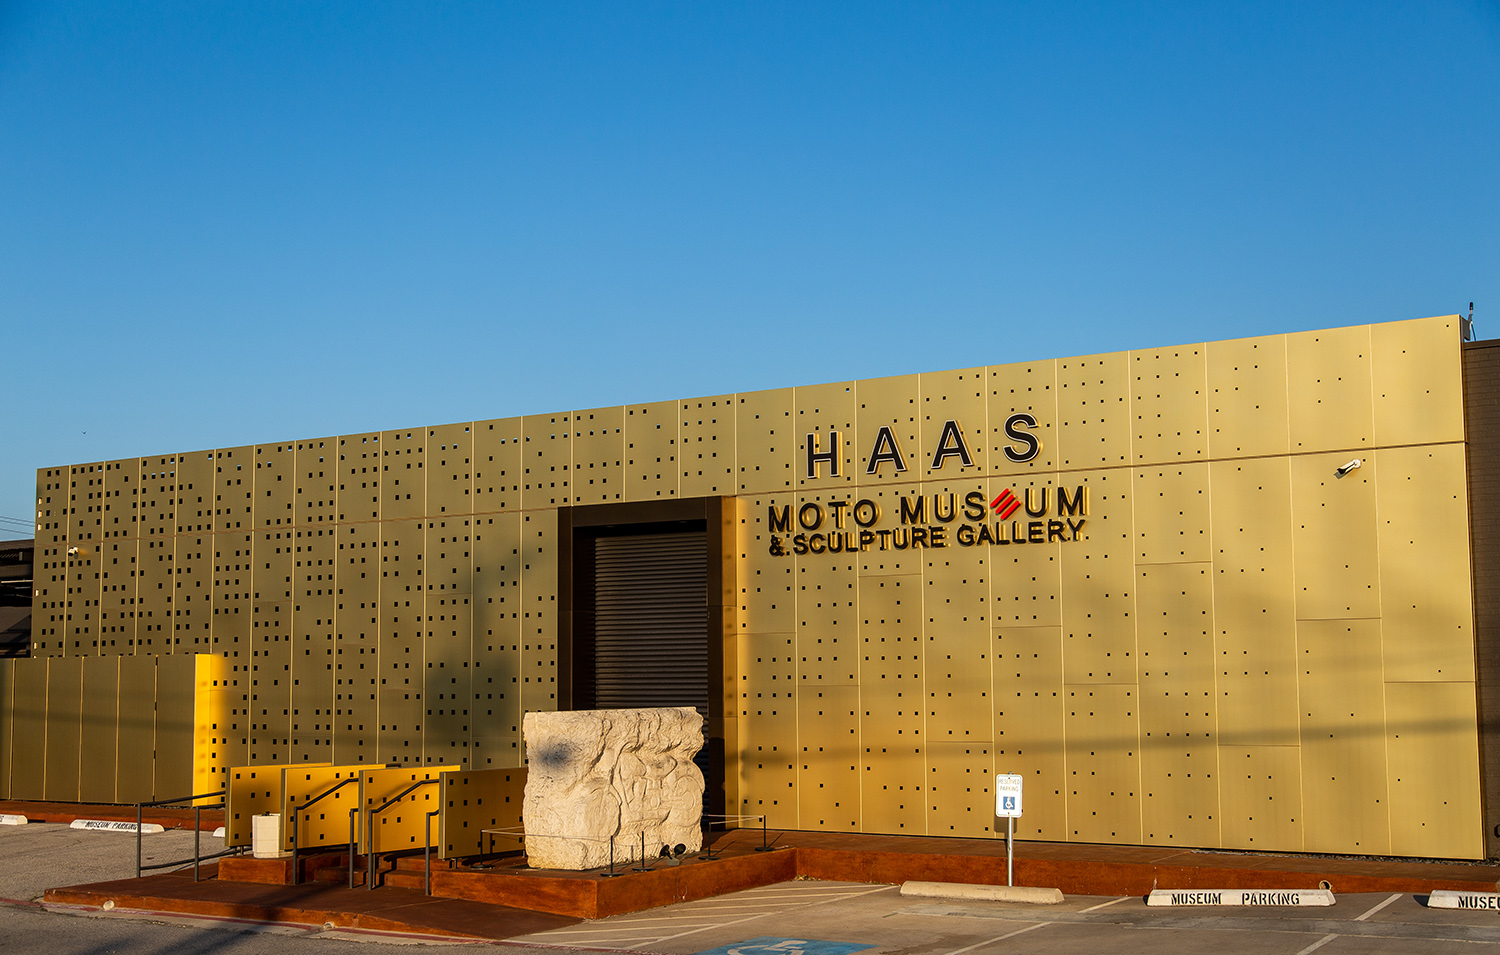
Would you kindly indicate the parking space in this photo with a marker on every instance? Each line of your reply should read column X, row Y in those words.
column 880, row 919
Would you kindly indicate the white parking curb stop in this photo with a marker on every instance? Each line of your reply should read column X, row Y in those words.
column 1273, row 897
column 983, row 893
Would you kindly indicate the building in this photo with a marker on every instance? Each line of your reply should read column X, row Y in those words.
column 15, row 598
column 1214, row 595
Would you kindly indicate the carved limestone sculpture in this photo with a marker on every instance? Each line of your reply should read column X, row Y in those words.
column 596, row 776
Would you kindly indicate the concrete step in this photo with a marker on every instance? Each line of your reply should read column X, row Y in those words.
column 404, row 880
column 339, row 876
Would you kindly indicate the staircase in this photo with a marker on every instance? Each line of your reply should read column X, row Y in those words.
column 399, row 870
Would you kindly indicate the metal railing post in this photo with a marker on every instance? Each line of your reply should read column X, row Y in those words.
column 764, row 846
column 371, row 823
column 427, row 851
column 197, row 838
column 643, row 867
column 353, row 842
column 137, row 840
column 611, row 874
column 370, row 853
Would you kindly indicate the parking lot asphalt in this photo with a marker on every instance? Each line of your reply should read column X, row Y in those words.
column 804, row 917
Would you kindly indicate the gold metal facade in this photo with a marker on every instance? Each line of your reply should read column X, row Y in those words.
column 1234, row 648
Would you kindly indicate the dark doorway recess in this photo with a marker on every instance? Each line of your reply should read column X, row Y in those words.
column 646, row 595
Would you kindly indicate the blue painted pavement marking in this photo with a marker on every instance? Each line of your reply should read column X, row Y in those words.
column 772, row 945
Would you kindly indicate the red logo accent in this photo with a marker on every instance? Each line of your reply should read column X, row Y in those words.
column 1006, row 504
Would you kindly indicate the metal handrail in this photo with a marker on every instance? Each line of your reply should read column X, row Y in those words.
column 708, row 852
column 370, row 825
column 197, row 818
column 296, row 823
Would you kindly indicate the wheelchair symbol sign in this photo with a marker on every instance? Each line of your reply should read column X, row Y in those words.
column 1008, row 795
column 772, row 945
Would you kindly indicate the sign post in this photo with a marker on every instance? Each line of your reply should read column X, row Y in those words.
column 1008, row 806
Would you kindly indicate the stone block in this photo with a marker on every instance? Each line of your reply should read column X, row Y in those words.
column 601, row 776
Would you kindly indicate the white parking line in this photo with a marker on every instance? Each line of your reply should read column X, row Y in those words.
column 668, row 938
column 1103, row 905
column 700, row 916
column 1378, row 907
column 790, row 893
column 999, row 938
column 1318, row 944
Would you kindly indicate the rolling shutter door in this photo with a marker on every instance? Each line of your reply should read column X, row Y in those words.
column 651, row 621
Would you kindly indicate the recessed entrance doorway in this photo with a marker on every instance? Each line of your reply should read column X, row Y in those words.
column 646, row 593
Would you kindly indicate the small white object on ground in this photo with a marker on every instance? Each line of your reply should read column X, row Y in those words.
column 11, row 819
column 1036, row 895
column 265, row 836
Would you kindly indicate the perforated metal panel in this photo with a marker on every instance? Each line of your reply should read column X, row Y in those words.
column 326, row 822
column 1247, row 397
column 955, row 424
column 1169, row 405
column 651, row 469
column 828, row 771
column 1345, row 784
column 475, row 801
column 1328, row 389
column 402, row 825
column 651, row 621
column 599, row 455
column 823, row 411
column 707, row 449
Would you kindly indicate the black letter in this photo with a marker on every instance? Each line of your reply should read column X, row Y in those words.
column 885, row 449
column 914, row 513
column 937, row 509
column 1039, row 510
column 974, row 506
column 838, row 512
column 953, row 435
column 831, row 455
column 817, row 516
column 781, row 523
column 1032, row 448
column 1079, row 504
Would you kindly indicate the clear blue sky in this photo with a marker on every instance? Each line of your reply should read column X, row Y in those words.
column 226, row 223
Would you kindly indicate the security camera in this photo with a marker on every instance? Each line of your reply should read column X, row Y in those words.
column 1343, row 471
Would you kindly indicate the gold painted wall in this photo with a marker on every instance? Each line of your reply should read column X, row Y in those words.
column 112, row 729
column 1236, row 648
